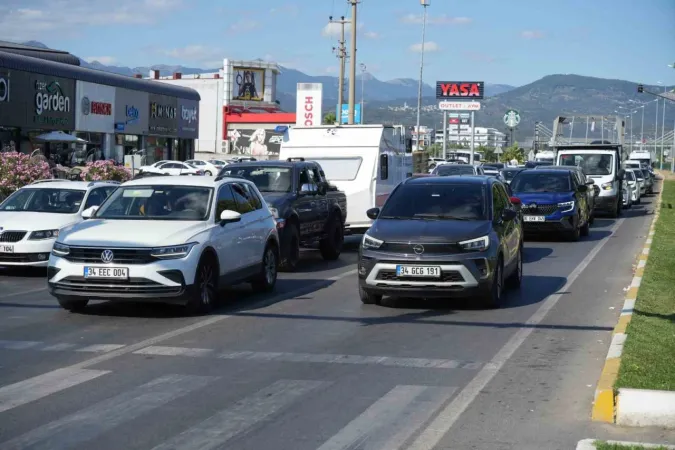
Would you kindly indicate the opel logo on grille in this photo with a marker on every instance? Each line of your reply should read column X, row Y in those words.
column 418, row 249
column 107, row 256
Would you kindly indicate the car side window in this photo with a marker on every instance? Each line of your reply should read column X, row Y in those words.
column 225, row 201
column 304, row 178
column 97, row 196
column 498, row 204
column 244, row 201
column 254, row 198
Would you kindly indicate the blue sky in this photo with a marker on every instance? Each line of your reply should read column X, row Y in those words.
column 496, row 41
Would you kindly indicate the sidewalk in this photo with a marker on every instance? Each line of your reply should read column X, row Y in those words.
column 637, row 385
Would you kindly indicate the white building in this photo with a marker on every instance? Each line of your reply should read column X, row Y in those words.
column 425, row 137
column 485, row 137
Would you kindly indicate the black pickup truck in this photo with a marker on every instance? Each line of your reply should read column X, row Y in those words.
column 308, row 209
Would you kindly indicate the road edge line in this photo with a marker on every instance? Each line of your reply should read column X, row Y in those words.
column 605, row 404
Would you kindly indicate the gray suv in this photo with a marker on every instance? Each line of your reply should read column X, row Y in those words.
column 458, row 236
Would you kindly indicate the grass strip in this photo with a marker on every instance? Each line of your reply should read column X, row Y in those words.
column 647, row 359
column 601, row 445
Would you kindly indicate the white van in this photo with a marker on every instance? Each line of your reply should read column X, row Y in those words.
column 601, row 163
column 643, row 157
column 366, row 162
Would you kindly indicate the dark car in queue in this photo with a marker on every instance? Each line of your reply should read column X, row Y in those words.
column 446, row 170
column 552, row 201
column 443, row 237
column 593, row 189
column 508, row 173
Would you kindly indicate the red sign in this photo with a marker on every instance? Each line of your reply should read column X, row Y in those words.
column 454, row 120
column 102, row 109
column 460, row 89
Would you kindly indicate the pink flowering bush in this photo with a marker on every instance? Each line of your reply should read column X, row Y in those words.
column 19, row 169
column 105, row 170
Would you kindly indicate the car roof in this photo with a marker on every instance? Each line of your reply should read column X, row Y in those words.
column 544, row 171
column 180, row 180
column 456, row 165
column 456, row 179
column 513, row 169
column 542, row 168
column 273, row 163
column 65, row 184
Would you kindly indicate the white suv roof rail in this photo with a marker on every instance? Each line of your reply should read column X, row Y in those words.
column 93, row 183
column 48, row 180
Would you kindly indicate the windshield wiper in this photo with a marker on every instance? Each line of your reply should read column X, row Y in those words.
column 400, row 217
column 442, row 216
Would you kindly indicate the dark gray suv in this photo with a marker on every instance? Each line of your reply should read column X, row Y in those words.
column 443, row 237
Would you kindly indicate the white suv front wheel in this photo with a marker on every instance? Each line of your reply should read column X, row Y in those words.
column 205, row 292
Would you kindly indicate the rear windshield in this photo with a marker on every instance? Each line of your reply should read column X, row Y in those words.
column 509, row 174
column 437, row 201
column 536, row 181
column 638, row 173
column 452, row 169
column 266, row 178
column 591, row 164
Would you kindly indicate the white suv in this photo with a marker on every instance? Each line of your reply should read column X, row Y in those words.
column 170, row 239
column 30, row 218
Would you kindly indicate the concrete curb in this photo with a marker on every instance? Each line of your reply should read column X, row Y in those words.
column 605, row 401
column 589, row 444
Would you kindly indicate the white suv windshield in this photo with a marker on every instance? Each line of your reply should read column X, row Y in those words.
column 157, row 203
column 54, row 201
column 590, row 163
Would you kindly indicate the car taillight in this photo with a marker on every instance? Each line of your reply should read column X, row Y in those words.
column 200, row 172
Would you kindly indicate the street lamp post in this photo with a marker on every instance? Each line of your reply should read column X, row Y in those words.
column 363, row 78
column 663, row 126
column 424, row 4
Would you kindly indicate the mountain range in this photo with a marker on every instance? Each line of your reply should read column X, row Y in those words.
column 394, row 101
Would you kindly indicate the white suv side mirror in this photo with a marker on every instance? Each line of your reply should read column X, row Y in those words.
column 89, row 212
column 229, row 216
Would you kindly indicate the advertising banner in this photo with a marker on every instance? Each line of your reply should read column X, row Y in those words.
column 131, row 112
column 249, row 84
column 49, row 102
column 308, row 105
column 188, row 119
column 95, row 107
column 456, row 90
column 344, row 113
column 12, row 111
column 163, row 115
column 258, row 142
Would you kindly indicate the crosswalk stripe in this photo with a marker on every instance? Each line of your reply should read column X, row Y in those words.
column 103, row 416
column 58, row 347
column 100, row 348
column 32, row 389
column 18, row 345
column 216, row 430
column 161, row 350
column 391, row 421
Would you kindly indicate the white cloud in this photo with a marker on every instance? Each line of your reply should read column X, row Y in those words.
column 443, row 19
column 198, row 55
column 105, row 60
column 531, row 34
column 429, row 47
column 333, row 30
column 244, row 25
column 330, row 70
column 371, row 35
column 45, row 19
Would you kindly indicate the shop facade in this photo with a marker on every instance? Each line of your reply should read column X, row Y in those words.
column 120, row 118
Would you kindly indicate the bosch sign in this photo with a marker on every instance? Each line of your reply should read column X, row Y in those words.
column 471, row 90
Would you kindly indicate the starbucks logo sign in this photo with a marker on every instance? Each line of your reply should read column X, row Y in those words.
column 4, row 89
column 86, row 106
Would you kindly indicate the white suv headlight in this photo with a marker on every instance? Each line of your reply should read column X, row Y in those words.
column 566, row 206
column 173, row 251
column 370, row 242
column 476, row 245
column 43, row 234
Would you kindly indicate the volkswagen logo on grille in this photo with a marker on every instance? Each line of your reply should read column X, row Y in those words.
column 418, row 249
column 107, row 256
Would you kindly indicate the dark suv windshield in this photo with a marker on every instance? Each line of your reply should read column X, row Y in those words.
column 58, row 201
column 266, row 178
column 535, row 181
column 437, row 201
column 452, row 169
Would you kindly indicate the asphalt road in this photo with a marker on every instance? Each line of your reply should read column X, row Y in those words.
column 310, row 367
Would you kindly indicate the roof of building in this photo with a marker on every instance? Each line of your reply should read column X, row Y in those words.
column 35, row 65
column 40, row 53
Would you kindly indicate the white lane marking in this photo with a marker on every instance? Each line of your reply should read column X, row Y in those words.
column 174, row 351
column 616, row 346
column 636, row 282
column 57, row 374
column 241, row 416
column 628, row 307
column 328, row 358
column 433, row 434
column 17, row 294
column 35, row 388
column 100, row 348
column 389, row 422
column 58, row 347
column 90, row 422
column 18, row 345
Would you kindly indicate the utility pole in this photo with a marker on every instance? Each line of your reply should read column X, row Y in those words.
column 425, row 4
column 342, row 55
column 352, row 64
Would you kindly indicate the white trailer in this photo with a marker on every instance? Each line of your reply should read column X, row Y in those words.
column 366, row 162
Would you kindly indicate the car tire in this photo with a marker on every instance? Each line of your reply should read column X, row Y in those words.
column 205, row 292
column 72, row 305
column 291, row 253
column 516, row 278
column 269, row 270
column 331, row 246
column 584, row 230
column 368, row 298
column 208, row 173
column 492, row 299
